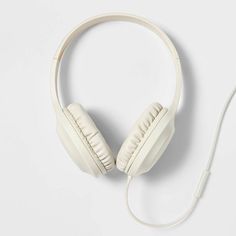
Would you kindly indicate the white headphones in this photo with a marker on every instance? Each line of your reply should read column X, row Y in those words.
column 147, row 140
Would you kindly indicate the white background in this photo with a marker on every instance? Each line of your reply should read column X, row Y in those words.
column 115, row 70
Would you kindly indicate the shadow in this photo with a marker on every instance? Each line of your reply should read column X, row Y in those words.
column 109, row 130
column 175, row 154
column 112, row 135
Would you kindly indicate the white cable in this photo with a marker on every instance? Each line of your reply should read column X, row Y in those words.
column 201, row 184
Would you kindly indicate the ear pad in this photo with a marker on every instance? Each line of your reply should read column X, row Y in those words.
column 95, row 149
column 145, row 141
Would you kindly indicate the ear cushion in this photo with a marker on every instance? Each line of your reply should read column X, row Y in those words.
column 92, row 136
column 136, row 135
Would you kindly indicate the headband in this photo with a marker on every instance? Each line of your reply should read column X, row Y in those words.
column 112, row 17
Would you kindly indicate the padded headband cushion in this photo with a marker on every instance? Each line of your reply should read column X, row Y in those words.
column 94, row 139
column 136, row 135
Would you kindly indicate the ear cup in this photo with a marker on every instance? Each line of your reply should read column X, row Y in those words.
column 140, row 136
column 98, row 150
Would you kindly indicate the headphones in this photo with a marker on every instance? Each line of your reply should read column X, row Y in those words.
column 147, row 140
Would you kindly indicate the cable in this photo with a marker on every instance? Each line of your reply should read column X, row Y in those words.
column 201, row 184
